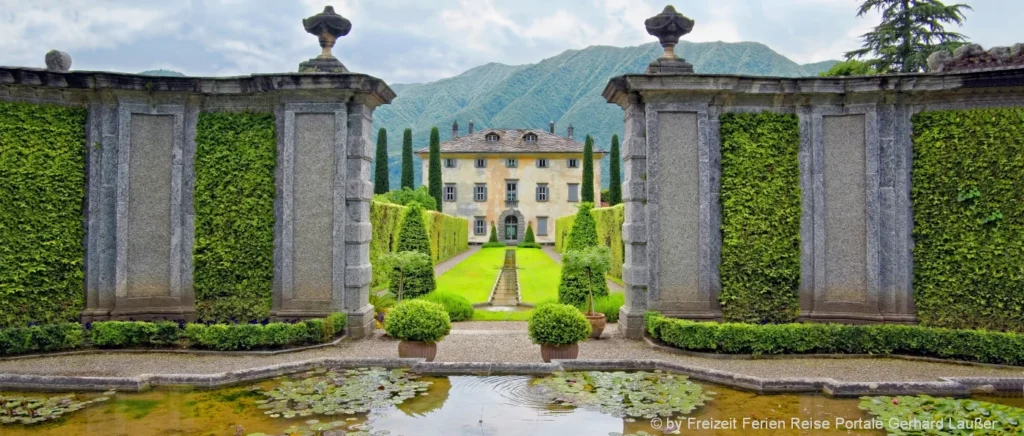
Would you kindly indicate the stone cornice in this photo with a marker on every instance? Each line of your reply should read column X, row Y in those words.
column 374, row 88
column 620, row 87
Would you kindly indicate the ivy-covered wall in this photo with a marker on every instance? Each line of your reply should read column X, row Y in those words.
column 760, row 197
column 449, row 235
column 968, row 197
column 234, row 202
column 609, row 232
column 42, row 189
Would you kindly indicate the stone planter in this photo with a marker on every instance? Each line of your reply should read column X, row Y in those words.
column 426, row 350
column 597, row 323
column 548, row 352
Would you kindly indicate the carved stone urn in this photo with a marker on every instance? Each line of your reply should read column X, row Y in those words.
column 668, row 26
column 328, row 26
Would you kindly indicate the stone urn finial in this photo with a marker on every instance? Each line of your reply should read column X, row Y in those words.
column 57, row 60
column 668, row 26
column 328, row 26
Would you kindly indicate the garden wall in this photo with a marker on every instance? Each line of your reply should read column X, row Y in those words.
column 449, row 235
column 181, row 198
column 609, row 232
column 767, row 199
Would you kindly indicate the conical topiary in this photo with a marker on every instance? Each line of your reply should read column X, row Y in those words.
column 529, row 234
column 494, row 233
column 413, row 234
column 574, row 287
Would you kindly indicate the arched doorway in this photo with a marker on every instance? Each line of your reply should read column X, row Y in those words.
column 511, row 228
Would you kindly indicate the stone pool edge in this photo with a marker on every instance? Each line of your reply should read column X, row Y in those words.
column 945, row 386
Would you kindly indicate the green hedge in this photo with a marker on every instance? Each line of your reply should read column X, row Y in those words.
column 609, row 232
column 42, row 189
column 164, row 334
column 40, row 338
column 449, row 235
column 968, row 198
column 760, row 269
column 234, row 200
column 883, row 339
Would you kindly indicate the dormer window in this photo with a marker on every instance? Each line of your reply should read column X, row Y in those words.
column 492, row 137
column 530, row 137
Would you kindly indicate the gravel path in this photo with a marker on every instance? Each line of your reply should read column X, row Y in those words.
column 500, row 342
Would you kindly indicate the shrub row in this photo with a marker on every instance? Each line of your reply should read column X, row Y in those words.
column 760, row 269
column 969, row 218
column 609, row 233
column 798, row 338
column 166, row 334
column 234, row 225
column 449, row 235
column 42, row 190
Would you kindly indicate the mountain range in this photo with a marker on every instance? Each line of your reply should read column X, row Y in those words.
column 565, row 89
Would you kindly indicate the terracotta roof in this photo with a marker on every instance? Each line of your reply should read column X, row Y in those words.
column 510, row 141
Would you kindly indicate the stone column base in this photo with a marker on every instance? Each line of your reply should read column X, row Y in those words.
column 153, row 314
column 360, row 322
column 90, row 315
column 670, row 66
column 631, row 323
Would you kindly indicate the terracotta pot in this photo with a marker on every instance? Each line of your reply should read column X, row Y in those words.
column 548, row 352
column 597, row 323
column 426, row 350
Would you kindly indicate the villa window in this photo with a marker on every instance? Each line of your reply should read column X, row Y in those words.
column 480, row 192
column 530, row 137
column 542, row 226
column 542, row 192
column 449, row 163
column 574, row 163
column 492, row 137
column 479, row 226
column 542, row 163
column 512, row 162
column 574, row 192
column 480, row 162
column 449, row 192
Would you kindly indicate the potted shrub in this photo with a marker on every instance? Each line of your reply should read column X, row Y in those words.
column 595, row 262
column 558, row 329
column 418, row 324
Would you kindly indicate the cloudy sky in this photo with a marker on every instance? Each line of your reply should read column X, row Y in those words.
column 406, row 41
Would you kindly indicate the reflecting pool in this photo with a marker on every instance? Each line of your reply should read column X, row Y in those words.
column 454, row 405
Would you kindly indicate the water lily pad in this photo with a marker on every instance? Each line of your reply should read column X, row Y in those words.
column 958, row 416
column 624, row 394
column 349, row 392
column 28, row 410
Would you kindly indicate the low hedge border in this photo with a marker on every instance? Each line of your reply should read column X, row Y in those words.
column 166, row 336
column 976, row 346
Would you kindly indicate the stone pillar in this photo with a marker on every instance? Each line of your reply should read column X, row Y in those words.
column 634, row 228
column 100, row 211
column 154, row 217
column 359, row 230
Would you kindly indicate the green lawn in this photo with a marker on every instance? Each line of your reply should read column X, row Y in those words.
column 474, row 277
column 538, row 276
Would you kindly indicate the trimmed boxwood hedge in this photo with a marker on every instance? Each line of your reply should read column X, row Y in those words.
column 796, row 338
column 42, row 190
column 760, row 269
column 165, row 334
column 968, row 200
column 236, row 154
column 609, row 233
column 449, row 235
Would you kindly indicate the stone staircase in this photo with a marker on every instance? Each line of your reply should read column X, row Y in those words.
column 506, row 289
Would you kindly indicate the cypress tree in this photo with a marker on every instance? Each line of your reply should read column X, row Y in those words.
column 412, row 236
column 407, row 181
column 435, row 167
column 588, row 171
column 380, row 180
column 614, row 179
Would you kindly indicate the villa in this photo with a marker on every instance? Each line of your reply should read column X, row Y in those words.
column 512, row 177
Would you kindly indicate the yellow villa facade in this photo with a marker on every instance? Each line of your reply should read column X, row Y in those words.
column 512, row 177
